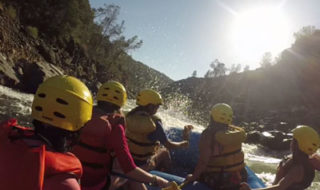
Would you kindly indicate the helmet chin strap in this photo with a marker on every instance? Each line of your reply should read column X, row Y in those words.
column 45, row 140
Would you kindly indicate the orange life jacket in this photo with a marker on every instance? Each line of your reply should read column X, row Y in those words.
column 23, row 167
column 92, row 149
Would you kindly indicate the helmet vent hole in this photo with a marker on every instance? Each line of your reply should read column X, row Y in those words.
column 38, row 108
column 104, row 94
column 114, row 97
column 107, row 88
column 60, row 115
column 314, row 144
column 61, row 101
column 42, row 95
column 117, row 91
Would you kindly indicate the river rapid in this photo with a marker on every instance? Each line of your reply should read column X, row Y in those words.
column 262, row 161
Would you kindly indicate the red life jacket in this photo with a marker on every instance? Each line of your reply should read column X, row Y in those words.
column 23, row 167
column 92, row 149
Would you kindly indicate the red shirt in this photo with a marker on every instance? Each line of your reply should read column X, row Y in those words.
column 102, row 137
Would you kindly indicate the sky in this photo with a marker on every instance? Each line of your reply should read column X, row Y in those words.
column 182, row 36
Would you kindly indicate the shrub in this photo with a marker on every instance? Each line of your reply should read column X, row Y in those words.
column 1, row 6
column 12, row 12
column 32, row 31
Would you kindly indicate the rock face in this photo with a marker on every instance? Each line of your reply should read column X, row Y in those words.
column 24, row 75
column 22, row 67
column 275, row 140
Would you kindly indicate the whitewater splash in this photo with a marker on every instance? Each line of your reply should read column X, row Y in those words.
column 262, row 161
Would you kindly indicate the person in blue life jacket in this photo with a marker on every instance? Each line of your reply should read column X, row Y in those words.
column 221, row 160
column 145, row 133
column 296, row 172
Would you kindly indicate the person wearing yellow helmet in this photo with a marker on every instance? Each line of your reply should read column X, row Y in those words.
column 296, row 171
column 221, row 161
column 145, row 133
column 103, row 144
column 39, row 158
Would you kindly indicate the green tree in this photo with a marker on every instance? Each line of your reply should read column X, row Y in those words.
column 235, row 68
column 111, row 41
column 246, row 68
column 266, row 60
column 304, row 32
column 194, row 73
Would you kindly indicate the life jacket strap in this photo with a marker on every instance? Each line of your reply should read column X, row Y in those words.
column 141, row 143
column 142, row 155
column 222, row 168
column 227, row 154
column 93, row 148
column 92, row 165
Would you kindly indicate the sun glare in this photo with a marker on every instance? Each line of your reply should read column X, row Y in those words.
column 258, row 31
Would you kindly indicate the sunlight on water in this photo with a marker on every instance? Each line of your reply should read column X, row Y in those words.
column 261, row 160
column 170, row 117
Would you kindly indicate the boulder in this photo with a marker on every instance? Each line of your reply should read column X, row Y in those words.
column 7, row 73
column 275, row 140
column 35, row 73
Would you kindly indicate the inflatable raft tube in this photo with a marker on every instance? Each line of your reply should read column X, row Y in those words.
column 253, row 181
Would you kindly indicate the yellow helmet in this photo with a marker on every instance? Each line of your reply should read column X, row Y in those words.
column 307, row 138
column 63, row 102
column 113, row 92
column 222, row 113
column 149, row 96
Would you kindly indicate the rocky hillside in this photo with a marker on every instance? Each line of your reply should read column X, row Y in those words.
column 26, row 59
column 280, row 96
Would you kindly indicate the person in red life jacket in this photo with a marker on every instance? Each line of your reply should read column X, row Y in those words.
column 103, row 139
column 39, row 158
column 221, row 160
column 145, row 133
column 296, row 172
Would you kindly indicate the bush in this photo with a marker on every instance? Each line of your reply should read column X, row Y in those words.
column 12, row 12
column 32, row 31
column 1, row 6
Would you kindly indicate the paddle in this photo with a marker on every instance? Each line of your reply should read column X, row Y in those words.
column 175, row 186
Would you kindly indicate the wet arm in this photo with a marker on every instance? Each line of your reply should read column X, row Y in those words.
column 126, row 161
column 61, row 182
column 315, row 161
column 279, row 174
column 293, row 176
column 160, row 135
column 118, row 143
column 172, row 145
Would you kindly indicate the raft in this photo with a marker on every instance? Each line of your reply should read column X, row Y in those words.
column 253, row 181
column 184, row 162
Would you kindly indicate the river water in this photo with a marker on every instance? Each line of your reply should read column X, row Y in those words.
column 262, row 161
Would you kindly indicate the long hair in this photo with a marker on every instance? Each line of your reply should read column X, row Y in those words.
column 137, row 109
column 55, row 138
column 298, row 157
column 217, row 126
column 109, row 107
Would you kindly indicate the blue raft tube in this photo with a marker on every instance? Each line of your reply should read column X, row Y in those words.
column 184, row 162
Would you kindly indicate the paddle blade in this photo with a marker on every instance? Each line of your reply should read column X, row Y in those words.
column 173, row 186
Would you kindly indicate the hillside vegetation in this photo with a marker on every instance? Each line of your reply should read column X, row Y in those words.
column 286, row 93
column 42, row 38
